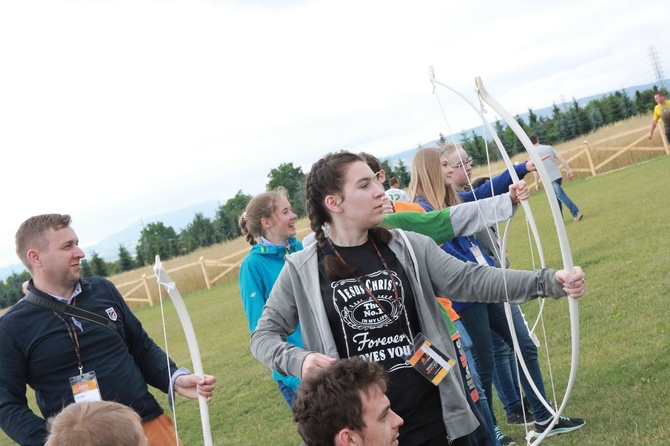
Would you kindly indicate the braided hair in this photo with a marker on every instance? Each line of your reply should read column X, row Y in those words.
column 327, row 178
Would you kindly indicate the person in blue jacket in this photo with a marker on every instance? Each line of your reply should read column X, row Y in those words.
column 268, row 223
column 505, row 377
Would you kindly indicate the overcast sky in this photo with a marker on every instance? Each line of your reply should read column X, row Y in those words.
column 112, row 111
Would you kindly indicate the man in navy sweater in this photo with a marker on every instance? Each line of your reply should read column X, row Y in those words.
column 101, row 352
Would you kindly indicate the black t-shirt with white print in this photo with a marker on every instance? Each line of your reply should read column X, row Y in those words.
column 361, row 328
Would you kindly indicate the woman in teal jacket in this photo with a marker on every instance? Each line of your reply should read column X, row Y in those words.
column 268, row 224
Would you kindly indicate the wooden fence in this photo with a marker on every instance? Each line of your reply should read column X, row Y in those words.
column 590, row 148
column 590, row 159
column 143, row 290
column 596, row 157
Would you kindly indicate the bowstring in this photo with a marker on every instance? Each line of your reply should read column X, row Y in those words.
column 540, row 320
column 500, row 249
column 167, row 360
column 519, row 363
column 531, row 330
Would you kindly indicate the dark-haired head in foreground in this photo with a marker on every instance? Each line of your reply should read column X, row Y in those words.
column 345, row 404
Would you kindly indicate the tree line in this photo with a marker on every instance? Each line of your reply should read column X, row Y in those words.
column 156, row 238
column 565, row 123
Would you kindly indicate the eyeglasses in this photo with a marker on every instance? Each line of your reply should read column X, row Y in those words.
column 462, row 164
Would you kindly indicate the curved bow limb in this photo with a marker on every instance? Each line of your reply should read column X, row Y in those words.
column 564, row 248
column 566, row 252
column 507, row 160
column 530, row 219
column 531, row 222
column 187, row 325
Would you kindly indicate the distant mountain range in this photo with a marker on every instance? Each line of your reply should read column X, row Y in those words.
column 179, row 219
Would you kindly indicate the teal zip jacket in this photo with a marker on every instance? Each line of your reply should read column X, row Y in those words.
column 258, row 273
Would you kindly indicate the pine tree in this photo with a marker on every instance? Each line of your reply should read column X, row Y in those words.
column 542, row 130
column 572, row 123
column 402, row 173
column 388, row 170
column 595, row 116
column 11, row 290
column 126, row 262
column 613, row 108
column 228, row 215
column 562, row 130
column 477, row 150
column 534, row 125
column 442, row 141
column 98, row 265
column 644, row 102
column 85, row 268
column 500, row 131
column 227, row 224
column 157, row 239
column 628, row 107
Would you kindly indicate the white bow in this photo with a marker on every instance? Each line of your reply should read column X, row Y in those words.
column 187, row 325
column 562, row 237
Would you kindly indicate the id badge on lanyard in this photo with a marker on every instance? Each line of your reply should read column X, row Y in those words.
column 85, row 387
column 433, row 364
column 478, row 255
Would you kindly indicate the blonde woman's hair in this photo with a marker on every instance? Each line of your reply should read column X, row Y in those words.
column 427, row 180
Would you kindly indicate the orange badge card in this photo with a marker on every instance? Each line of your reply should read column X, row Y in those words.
column 429, row 361
column 85, row 387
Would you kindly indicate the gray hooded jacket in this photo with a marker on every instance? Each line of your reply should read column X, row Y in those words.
column 296, row 296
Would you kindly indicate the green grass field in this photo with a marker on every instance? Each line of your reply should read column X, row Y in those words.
column 623, row 381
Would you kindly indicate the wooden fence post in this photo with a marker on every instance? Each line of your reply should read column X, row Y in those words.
column 146, row 288
column 204, row 272
column 590, row 159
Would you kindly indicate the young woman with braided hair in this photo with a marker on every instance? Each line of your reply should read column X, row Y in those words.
column 367, row 291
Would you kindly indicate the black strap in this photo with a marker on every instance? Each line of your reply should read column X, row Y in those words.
column 63, row 308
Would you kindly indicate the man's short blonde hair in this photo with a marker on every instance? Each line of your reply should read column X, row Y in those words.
column 30, row 234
